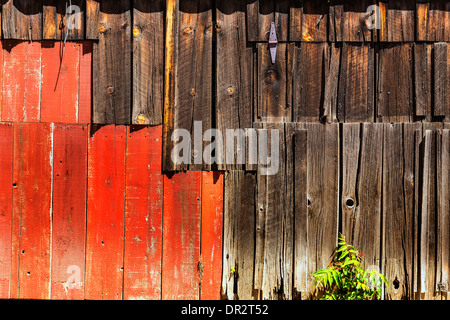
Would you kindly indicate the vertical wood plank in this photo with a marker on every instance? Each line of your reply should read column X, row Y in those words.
column 143, row 214
column 112, row 64
column 239, row 231
column 273, row 83
column 85, row 80
column 300, row 157
column 105, row 213
column 92, row 19
column 331, row 84
column 181, row 236
column 21, row 81
column 355, row 21
column 234, row 74
column 193, row 95
column 60, row 82
column 398, row 208
column 429, row 204
column 395, row 89
column 398, row 21
column 211, row 235
column 171, row 48
column 6, row 206
column 323, row 177
column 440, row 80
column 310, row 60
column 32, row 198
column 422, row 79
column 443, row 225
column 260, row 15
column 69, row 211
column 356, row 84
column 22, row 19
column 314, row 21
column 62, row 22
column 148, row 61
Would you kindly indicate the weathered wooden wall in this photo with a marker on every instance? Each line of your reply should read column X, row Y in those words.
column 363, row 116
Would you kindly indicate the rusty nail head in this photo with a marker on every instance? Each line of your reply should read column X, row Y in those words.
column 136, row 32
column 110, row 90
column 230, row 90
column 192, row 92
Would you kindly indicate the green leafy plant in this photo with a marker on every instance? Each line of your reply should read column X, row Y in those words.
column 346, row 279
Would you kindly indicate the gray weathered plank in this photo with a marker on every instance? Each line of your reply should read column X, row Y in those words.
column 441, row 79
column 112, row 65
column 443, row 209
column 422, row 79
column 273, row 84
column 148, row 62
column 22, row 19
column 356, row 84
column 234, row 73
column 308, row 81
column 395, row 89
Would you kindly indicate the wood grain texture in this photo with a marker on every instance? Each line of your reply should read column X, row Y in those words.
column 323, row 177
column 60, row 82
column 92, row 19
column 211, row 235
column 310, row 62
column 171, row 47
column 423, row 79
column 309, row 21
column 22, row 19
column 112, row 64
column 276, row 249
column 105, row 213
column 300, row 158
column 441, row 79
column 181, row 236
column 397, row 21
column 273, row 84
column 62, row 22
column 234, row 71
column 21, row 81
column 394, row 89
column 6, row 206
column 443, row 219
column 85, row 78
column 239, row 230
column 193, row 95
column 69, row 211
column 143, row 214
column 260, row 15
column 355, row 101
column 148, row 62
column 362, row 152
column 32, row 211
column 398, row 208
column 429, row 207
column 432, row 20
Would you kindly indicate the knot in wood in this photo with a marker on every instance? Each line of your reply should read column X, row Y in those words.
column 141, row 119
column 136, row 32
column 270, row 76
column 187, row 30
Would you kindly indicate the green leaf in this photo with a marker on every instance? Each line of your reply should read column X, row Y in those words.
column 343, row 255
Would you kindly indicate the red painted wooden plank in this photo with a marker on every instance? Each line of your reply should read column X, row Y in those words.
column 1, row 78
column 6, row 168
column 85, row 94
column 69, row 211
column 181, row 236
column 31, row 238
column 143, row 214
column 60, row 79
column 21, row 81
column 105, row 212
column 211, row 235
